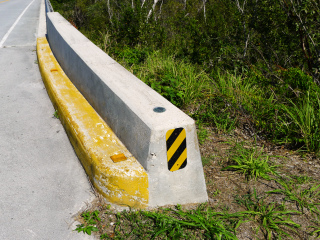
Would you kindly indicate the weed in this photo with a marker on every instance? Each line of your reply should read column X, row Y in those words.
column 272, row 217
column 305, row 119
column 207, row 160
column 176, row 80
column 91, row 219
column 86, row 228
column 224, row 124
column 250, row 162
column 301, row 179
column 215, row 193
column 56, row 114
column 202, row 133
column 213, row 223
column 304, row 198
column 201, row 223
column 316, row 229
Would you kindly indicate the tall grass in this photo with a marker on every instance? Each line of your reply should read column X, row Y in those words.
column 305, row 121
column 179, row 81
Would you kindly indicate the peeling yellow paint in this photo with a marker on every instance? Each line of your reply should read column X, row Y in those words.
column 124, row 182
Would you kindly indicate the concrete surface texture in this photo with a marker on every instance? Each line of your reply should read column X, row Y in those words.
column 127, row 105
column 112, row 169
column 42, row 183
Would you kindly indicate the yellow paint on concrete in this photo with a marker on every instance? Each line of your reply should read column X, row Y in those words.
column 124, row 182
column 118, row 158
column 5, row 1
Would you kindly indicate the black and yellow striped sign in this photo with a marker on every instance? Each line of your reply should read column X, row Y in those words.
column 176, row 149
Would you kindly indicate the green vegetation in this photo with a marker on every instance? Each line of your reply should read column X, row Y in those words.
column 228, row 64
column 239, row 68
column 250, row 162
column 167, row 223
column 56, row 114
column 271, row 217
column 91, row 219
column 307, row 198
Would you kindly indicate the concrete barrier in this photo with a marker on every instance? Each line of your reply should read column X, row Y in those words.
column 159, row 135
column 112, row 169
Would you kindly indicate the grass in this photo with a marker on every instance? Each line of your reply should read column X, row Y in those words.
column 178, row 81
column 305, row 198
column 202, row 133
column 273, row 218
column 315, row 230
column 306, row 119
column 251, row 162
column 168, row 223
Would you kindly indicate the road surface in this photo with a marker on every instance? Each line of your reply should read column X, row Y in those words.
column 42, row 183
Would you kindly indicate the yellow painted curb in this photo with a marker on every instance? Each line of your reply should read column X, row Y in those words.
column 114, row 172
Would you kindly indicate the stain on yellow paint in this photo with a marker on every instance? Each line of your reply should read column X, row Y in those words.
column 124, row 182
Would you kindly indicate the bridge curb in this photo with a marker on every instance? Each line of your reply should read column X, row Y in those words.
column 122, row 180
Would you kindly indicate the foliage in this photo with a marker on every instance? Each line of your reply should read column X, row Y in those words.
column 167, row 223
column 272, row 217
column 315, row 229
column 237, row 64
column 211, row 222
column 202, row 133
column 251, row 162
column 305, row 120
column 56, row 114
column 177, row 80
column 90, row 219
column 305, row 198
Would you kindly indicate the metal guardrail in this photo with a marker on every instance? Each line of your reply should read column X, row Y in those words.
column 49, row 7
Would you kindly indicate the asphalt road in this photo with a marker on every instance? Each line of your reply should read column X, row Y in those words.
column 42, row 183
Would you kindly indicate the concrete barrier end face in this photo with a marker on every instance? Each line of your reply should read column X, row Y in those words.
column 131, row 189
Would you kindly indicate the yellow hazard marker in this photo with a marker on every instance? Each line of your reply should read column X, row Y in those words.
column 119, row 181
column 176, row 149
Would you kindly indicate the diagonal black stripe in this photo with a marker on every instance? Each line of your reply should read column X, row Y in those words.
column 173, row 137
column 183, row 164
column 177, row 154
